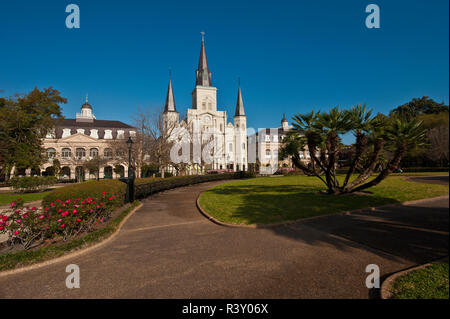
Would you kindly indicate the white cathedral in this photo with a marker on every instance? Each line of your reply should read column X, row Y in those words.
column 229, row 140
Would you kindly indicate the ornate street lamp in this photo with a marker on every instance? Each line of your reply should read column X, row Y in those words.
column 130, row 181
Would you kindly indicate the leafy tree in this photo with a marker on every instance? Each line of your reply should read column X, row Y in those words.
column 435, row 118
column 419, row 106
column 319, row 134
column 56, row 167
column 24, row 121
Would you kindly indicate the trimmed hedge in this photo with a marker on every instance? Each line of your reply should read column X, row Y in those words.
column 146, row 187
column 32, row 183
column 85, row 190
column 143, row 186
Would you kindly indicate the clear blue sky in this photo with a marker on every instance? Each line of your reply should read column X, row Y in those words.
column 292, row 56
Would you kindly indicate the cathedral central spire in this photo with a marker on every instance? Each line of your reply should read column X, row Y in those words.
column 203, row 74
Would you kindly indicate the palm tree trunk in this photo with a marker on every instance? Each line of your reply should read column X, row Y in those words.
column 378, row 148
column 361, row 142
column 393, row 164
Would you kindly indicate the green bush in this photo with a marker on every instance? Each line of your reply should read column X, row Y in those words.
column 32, row 183
column 87, row 189
column 145, row 180
column 166, row 174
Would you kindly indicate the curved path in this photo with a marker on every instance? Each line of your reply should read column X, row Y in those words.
column 167, row 249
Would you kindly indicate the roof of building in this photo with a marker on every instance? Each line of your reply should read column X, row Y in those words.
column 94, row 124
column 86, row 106
column 203, row 74
column 170, row 99
column 239, row 104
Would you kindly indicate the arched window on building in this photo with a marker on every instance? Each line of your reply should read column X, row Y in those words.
column 80, row 153
column 230, row 147
column 93, row 153
column 243, row 146
column 66, row 153
column 267, row 153
column 108, row 153
column 51, row 153
column 120, row 153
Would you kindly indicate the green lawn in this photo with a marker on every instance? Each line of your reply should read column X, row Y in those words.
column 7, row 198
column 274, row 199
column 425, row 283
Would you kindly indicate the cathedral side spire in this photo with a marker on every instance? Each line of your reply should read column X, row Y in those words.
column 240, row 103
column 203, row 73
column 170, row 99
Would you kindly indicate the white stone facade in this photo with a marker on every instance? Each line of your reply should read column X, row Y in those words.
column 230, row 139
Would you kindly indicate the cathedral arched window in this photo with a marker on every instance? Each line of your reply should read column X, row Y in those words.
column 243, row 146
column 221, row 127
column 267, row 153
column 230, row 147
column 204, row 106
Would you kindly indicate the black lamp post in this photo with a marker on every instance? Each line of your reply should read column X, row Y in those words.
column 130, row 181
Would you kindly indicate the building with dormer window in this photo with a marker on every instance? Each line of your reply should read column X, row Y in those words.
column 75, row 141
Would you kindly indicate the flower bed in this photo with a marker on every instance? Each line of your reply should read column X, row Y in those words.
column 28, row 227
column 85, row 190
column 14, row 259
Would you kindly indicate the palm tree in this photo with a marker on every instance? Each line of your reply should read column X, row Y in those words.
column 401, row 135
column 361, row 123
column 332, row 124
column 320, row 133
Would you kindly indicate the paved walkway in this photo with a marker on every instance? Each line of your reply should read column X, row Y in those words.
column 168, row 250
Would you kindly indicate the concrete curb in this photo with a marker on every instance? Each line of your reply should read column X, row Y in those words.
column 386, row 286
column 359, row 210
column 73, row 254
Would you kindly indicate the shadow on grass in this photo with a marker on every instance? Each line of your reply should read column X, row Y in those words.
column 442, row 180
column 261, row 204
column 415, row 233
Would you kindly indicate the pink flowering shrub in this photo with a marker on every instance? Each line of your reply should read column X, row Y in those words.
column 29, row 227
